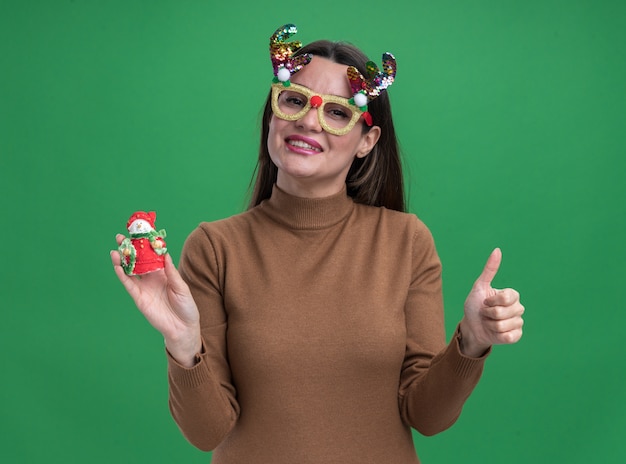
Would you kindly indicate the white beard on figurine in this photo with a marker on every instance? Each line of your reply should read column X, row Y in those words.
column 144, row 251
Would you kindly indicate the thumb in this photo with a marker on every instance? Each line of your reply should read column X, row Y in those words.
column 491, row 268
column 177, row 283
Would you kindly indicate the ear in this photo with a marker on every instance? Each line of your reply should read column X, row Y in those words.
column 368, row 141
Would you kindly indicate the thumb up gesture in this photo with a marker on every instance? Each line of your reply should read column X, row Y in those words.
column 492, row 317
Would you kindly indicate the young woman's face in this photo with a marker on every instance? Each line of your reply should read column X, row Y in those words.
column 312, row 162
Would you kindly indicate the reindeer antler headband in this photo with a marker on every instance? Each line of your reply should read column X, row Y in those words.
column 281, row 53
column 364, row 89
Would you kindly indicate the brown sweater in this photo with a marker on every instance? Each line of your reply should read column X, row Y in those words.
column 323, row 334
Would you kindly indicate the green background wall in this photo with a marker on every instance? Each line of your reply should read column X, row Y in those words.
column 512, row 120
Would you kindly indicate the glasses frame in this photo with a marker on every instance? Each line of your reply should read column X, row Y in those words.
column 278, row 87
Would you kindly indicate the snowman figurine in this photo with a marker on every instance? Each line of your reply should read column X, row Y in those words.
column 144, row 251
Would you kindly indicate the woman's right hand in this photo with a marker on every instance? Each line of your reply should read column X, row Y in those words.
column 165, row 300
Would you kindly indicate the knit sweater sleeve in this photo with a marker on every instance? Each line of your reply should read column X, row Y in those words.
column 436, row 379
column 202, row 399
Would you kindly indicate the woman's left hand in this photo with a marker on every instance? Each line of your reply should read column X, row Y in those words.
column 492, row 317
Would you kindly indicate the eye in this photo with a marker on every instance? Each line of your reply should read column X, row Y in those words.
column 294, row 100
column 338, row 112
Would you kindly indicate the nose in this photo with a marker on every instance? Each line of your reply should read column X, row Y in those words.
column 310, row 120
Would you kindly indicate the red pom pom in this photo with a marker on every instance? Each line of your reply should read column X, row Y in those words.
column 368, row 119
column 316, row 101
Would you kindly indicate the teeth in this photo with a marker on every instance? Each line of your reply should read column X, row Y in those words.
column 301, row 144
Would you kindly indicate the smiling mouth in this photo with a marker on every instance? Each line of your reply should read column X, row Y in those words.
column 304, row 145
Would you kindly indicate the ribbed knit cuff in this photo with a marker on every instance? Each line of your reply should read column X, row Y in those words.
column 189, row 376
column 464, row 366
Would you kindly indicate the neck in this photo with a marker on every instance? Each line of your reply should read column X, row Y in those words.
column 308, row 188
column 307, row 213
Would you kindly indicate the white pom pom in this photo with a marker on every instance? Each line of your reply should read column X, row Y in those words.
column 283, row 74
column 360, row 99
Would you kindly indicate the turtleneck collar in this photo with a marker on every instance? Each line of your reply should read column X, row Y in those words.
column 307, row 213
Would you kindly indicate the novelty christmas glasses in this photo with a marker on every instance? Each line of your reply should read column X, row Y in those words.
column 337, row 115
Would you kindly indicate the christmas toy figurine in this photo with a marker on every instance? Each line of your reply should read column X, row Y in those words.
column 145, row 250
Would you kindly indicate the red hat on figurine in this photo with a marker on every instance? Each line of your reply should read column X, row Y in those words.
column 149, row 217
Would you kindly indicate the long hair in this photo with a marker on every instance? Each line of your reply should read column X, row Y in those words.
column 375, row 179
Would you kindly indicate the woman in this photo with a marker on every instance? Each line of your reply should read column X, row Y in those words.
column 310, row 327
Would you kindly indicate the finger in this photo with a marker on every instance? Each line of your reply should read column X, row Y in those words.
column 503, row 326
column 504, row 297
column 510, row 337
column 502, row 313
column 491, row 268
column 127, row 281
column 116, row 259
column 119, row 238
column 176, row 282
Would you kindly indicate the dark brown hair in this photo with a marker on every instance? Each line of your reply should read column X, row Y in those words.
column 377, row 178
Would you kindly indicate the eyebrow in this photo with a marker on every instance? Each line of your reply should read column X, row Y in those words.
column 320, row 93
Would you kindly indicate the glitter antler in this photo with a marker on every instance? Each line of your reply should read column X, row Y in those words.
column 366, row 90
column 281, row 53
